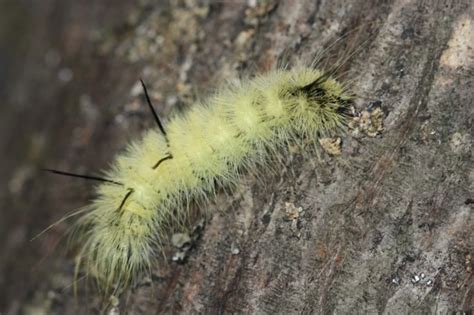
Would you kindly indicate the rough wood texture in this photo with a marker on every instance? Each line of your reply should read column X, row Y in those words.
column 384, row 228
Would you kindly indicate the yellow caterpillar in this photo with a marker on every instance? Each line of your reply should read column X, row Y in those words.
column 146, row 193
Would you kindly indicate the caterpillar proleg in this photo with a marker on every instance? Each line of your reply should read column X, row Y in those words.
column 146, row 193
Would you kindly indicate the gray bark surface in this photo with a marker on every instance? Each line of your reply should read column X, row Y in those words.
column 384, row 228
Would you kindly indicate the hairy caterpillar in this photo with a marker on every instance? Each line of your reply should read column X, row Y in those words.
column 147, row 191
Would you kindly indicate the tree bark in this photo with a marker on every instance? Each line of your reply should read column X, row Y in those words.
column 386, row 227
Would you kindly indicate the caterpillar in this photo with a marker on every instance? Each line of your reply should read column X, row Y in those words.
column 147, row 191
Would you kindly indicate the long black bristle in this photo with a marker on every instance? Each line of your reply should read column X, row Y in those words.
column 169, row 156
column 82, row 176
column 150, row 105
column 125, row 199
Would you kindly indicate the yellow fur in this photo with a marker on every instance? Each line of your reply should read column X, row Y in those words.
column 212, row 142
